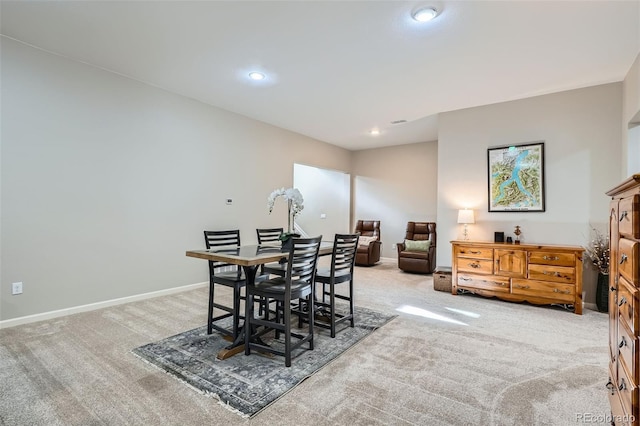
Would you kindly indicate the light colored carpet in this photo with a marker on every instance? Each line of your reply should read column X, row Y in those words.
column 456, row 360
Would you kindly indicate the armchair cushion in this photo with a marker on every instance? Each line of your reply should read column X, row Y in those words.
column 365, row 241
column 419, row 245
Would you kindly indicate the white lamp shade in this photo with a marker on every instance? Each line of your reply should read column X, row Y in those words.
column 465, row 216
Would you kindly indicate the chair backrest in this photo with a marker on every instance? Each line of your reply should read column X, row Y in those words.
column 222, row 239
column 303, row 259
column 368, row 228
column 268, row 235
column 344, row 253
column 419, row 231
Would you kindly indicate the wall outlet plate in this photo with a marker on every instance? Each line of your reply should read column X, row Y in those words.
column 16, row 288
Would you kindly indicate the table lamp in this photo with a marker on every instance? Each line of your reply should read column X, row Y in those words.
column 466, row 217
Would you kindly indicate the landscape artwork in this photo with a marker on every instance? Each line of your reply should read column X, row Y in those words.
column 516, row 178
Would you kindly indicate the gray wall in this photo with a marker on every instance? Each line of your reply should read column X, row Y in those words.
column 582, row 134
column 106, row 182
column 396, row 185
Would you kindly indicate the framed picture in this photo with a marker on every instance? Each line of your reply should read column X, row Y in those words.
column 516, row 178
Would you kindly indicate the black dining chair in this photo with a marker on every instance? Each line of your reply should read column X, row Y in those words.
column 225, row 274
column 298, row 283
column 269, row 236
column 341, row 271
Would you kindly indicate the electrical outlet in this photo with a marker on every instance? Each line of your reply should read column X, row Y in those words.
column 394, row 247
column 16, row 288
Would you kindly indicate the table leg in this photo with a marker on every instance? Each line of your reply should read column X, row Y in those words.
column 237, row 345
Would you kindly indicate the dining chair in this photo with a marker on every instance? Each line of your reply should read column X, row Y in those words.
column 298, row 283
column 228, row 275
column 340, row 271
column 272, row 235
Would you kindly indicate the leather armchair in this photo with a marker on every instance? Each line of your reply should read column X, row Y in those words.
column 368, row 255
column 422, row 262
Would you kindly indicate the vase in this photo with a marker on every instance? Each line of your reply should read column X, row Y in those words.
column 288, row 242
column 602, row 293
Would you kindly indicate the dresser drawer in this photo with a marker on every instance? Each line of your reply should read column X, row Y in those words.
column 477, row 266
column 628, row 217
column 565, row 293
column 558, row 274
column 492, row 283
column 628, row 260
column 628, row 352
column 617, row 411
column 551, row 258
column 628, row 304
column 474, row 252
column 627, row 389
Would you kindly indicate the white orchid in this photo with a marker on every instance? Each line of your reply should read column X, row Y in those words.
column 295, row 204
column 290, row 194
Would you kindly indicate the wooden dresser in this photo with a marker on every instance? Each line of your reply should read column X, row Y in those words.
column 540, row 274
column 624, row 233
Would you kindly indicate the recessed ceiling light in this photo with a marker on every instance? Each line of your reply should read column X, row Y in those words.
column 424, row 14
column 255, row 75
column 375, row 132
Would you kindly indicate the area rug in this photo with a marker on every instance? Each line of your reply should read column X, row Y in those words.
column 247, row 384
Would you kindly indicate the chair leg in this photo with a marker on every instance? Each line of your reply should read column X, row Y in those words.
column 311, row 309
column 351, row 307
column 332, row 308
column 210, row 310
column 279, row 309
column 287, row 335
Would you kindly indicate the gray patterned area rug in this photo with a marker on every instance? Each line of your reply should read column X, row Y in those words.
column 247, row 384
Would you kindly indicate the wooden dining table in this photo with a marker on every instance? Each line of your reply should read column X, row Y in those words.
column 249, row 257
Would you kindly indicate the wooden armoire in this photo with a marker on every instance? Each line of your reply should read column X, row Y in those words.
column 624, row 302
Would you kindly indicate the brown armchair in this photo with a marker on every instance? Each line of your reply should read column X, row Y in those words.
column 368, row 254
column 418, row 258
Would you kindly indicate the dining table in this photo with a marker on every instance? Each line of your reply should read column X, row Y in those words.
column 249, row 257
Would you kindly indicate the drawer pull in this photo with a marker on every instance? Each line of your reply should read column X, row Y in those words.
column 623, row 258
column 555, row 290
column 474, row 252
column 610, row 386
column 622, row 386
column 612, row 288
column 555, row 274
column 464, row 279
column 623, row 215
column 521, row 286
column 622, row 301
column 550, row 257
column 474, row 265
column 623, row 342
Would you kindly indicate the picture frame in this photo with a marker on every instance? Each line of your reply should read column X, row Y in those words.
column 516, row 178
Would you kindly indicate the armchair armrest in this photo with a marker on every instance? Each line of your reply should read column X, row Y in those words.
column 400, row 247
column 374, row 249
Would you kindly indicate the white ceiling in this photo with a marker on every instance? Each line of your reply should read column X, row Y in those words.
column 337, row 69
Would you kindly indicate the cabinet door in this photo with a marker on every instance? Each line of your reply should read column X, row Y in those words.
column 510, row 263
column 613, row 281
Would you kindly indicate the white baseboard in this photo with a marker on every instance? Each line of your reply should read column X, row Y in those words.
column 98, row 305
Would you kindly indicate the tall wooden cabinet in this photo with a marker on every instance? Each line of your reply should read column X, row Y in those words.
column 540, row 274
column 624, row 366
